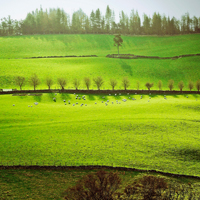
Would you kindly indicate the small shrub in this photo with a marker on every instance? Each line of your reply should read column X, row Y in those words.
column 171, row 84
column 34, row 81
column 181, row 85
column 98, row 82
column 87, row 82
column 20, row 81
column 99, row 186
column 138, row 85
column 113, row 83
column 76, row 83
column 190, row 85
column 198, row 85
column 62, row 82
column 125, row 83
column 149, row 85
column 160, row 85
column 49, row 82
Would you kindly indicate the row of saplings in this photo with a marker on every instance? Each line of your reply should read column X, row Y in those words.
column 98, row 81
column 107, row 186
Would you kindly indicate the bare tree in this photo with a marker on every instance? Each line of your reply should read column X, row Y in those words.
column 62, row 82
column 149, row 85
column 98, row 82
column 49, row 82
column 76, row 83
column 125, row 83
column 20, row 81
column 170, row 84
column 190, row 85
column 87, row 82
column 160, row 85
column 198, row 85
column 34, row 81
column 138, row 85
column 113, row 83
column 100, row 185
column 181, row 85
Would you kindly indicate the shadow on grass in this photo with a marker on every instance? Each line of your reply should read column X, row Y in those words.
column 65, row 96
column 186, row 154
column 126, row 68
column 196, row 96
column 37, row 98
column 91, row 97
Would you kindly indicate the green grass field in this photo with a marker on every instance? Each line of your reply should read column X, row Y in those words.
column 156, row 133
column 142, row 70
column 149, row 133
column 101, row 45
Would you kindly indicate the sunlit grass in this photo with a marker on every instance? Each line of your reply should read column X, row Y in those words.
column 144, row 133
column 101, row 45
column 142, row 70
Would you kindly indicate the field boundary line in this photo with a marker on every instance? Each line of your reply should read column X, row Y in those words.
column 73, row 91
column 39, row 167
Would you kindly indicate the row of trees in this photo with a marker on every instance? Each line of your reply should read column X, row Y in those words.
column 98, row 81
column 56, row 21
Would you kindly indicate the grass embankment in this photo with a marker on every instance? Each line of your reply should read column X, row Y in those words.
column 142, row 70
column 51, row 184
column 157, row 133
column 101, row 45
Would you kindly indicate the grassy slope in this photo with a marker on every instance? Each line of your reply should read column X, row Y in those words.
column 101, row 45
column 142, row 70
column 160, row 134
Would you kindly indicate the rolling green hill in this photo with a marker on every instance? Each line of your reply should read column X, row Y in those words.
column 148, row 133
column 101, row 45
column 141, row 70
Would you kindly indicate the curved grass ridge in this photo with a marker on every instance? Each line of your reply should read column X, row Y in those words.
column 101, row 45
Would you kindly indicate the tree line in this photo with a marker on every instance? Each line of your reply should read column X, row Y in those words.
column 57, row 21
column 98, row 82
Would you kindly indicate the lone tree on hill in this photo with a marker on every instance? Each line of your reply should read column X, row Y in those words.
column 181, row 85
column 87, row 82
column 20, row 81
column 98, row 82
column 170, row 84
column 34, row 81
column 49, row 82
column 149, row 85
column 125, row 83
column 62, row 82
column 113, row 83
column 118, row 41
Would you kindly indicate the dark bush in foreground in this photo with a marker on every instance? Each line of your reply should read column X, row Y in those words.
column 103, row 186
column 98, row 186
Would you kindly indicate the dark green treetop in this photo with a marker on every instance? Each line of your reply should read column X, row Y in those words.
column 118, row 41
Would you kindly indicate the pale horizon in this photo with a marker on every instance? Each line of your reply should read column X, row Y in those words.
column 176, row 8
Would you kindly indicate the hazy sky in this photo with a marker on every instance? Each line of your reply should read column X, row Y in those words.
column 18, row 9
